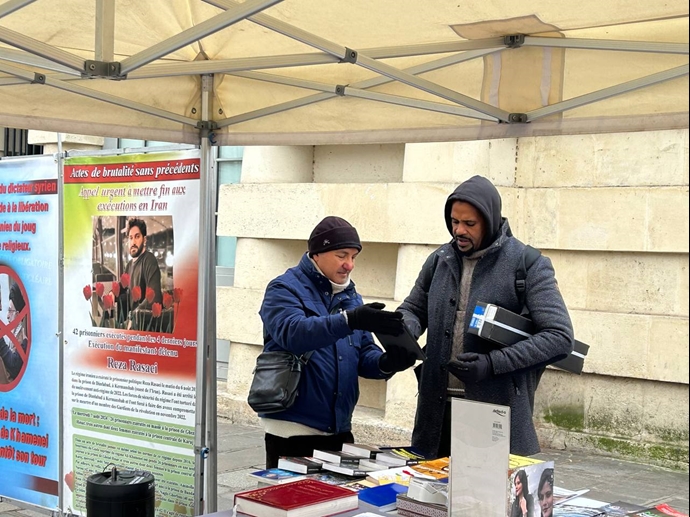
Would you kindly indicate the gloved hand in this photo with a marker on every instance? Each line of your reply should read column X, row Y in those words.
column 470, row 367
column 370, row 317
column 396, row 359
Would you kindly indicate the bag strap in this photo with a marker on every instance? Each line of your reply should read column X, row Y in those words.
column 529, row 257
column 304, row 358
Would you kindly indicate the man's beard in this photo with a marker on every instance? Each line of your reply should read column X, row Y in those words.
column 464, row 253
column 135, row 254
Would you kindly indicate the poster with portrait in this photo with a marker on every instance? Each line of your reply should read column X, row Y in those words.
column 131, row 240
column 29, row 341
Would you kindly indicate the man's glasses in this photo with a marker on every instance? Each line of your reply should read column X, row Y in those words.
column 12, row 311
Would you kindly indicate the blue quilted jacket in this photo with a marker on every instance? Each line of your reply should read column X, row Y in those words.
column 300, row 313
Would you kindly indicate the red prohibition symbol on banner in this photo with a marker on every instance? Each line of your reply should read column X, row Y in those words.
column 15, row 329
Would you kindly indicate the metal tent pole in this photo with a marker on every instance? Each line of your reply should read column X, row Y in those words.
column 60, row 161
column 204, row 441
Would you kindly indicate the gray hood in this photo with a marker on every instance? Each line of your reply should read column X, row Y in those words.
column 480, row 193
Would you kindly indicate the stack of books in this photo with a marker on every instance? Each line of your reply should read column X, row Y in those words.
column 342, row 463
column 438, row 469
column 368, row 453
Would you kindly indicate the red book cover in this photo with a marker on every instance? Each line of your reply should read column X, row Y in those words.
column 288, row 499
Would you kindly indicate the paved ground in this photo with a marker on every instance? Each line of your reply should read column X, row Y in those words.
column 609, row 479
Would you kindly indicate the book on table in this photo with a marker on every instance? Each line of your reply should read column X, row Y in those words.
column 358, row 484
column 364, row 510
column 275, row 476
column 413, row 508
column 382, row 497
column 427, row 491
column 305, row 498
column 332, row 478
column 300, row 464
column 399, row 475
column 621, row 509
column 361, row 449
column 569, row 510
column 373, row 465
column 347, row 470
column 661, row 510
column 399, row 456
column 337, row 457
column 438, row 474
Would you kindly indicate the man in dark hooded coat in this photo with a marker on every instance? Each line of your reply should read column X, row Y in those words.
column 479, row 265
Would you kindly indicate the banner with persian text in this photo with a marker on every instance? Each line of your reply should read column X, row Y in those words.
column 29, row 341
column 131, row 241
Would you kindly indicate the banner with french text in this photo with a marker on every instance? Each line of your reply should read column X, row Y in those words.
column 131, row 240
column 29, row 342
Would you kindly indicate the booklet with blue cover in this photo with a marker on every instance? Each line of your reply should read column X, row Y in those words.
column 275, row 476
column 382, row 497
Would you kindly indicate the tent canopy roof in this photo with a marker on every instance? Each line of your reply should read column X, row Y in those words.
column 309, row 71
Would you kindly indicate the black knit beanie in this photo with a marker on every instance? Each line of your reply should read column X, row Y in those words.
column 17, row 298
column 333, row 233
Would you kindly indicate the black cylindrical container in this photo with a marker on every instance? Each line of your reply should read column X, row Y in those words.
column 124, row 493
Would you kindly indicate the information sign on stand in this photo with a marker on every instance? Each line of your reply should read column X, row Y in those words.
column 131, row 237
column 480, row 450
column 29, row 342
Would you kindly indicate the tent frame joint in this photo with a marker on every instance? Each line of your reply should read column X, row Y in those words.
column 206, row 125
column 104, row 69
column 39, row 78
column 350, row 56
column 514, row 40
column 340, row 89
column 518, row 118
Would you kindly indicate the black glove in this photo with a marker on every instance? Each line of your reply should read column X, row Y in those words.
column 370, row 317
column 470, row 367
column 396, row 359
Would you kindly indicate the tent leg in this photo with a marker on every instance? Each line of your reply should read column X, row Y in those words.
column 205, row 435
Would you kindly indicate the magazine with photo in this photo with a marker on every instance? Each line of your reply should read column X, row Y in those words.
column 566, row 510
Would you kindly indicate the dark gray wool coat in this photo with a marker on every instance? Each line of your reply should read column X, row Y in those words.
column 432, row 306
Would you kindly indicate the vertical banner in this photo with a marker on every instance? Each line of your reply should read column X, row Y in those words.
column 29, row 353
column 131, row 238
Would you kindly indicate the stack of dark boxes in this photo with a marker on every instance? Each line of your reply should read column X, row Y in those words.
column 504, row 328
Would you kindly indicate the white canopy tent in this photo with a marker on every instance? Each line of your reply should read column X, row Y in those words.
column 307, row 72
column 268, row 72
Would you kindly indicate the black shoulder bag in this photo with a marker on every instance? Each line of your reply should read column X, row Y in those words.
column 276, row 378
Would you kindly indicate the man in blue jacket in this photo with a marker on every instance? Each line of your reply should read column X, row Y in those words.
column 479, row 265
column 314, row 307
